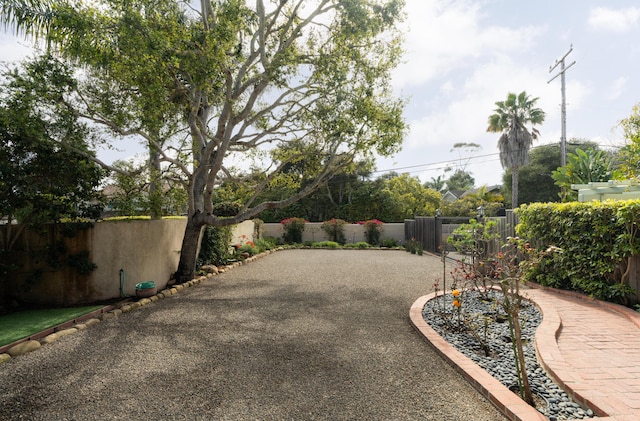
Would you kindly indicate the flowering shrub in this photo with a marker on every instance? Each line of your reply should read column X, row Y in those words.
column 372, row 230
column 334, row 228
column 293, row 228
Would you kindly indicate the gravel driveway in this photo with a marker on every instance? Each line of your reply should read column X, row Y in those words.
column 297, row 335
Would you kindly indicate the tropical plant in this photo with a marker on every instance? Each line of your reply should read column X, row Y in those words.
column 583, row 167
column 515, row 118
column 268, row 84
column 535, row 183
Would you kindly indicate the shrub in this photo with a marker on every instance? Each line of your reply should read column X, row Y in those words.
column 263, row 244
column 597, row 240
column 327, row 244
column 389, row 242
column 214, row 248
column 334, row 228
column 249, row 248
column 412, row 246
column 372, row 230
column 293, row 228
column 358, row 245
column 258, row 227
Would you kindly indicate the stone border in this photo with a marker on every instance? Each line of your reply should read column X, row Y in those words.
column 25, row 346
column 507, row 402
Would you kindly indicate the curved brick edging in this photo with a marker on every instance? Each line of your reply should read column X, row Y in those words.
column 631, row 315
column 507, row 402
column 36, row 341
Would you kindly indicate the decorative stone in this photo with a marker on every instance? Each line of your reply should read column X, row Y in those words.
column 91, row 322
column 108, row 316
column 57, row 335
column 80, row 326
column 126, row 308
column 23, row 348
column 144, row 301
column 4, row 358
column 210, row 268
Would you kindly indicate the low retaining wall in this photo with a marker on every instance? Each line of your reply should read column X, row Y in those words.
column 353, row 233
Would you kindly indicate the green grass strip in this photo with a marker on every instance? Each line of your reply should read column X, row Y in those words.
column 22, row 324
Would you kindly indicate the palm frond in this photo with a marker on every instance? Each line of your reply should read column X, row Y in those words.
column 27, row 17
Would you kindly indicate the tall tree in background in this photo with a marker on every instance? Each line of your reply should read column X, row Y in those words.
column 264, row 85
column 535, row 183
column 516, row 119
column 629, row 155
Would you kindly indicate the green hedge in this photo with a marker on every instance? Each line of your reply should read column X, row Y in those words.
column 596, row 241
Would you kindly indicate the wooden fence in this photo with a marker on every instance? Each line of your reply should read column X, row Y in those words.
column 432, row 231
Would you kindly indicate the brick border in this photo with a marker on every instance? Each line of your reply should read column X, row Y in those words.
column 507, row 402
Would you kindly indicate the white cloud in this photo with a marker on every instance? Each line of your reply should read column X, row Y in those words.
column 616, row 88
column 619, row 20
column 446, row 34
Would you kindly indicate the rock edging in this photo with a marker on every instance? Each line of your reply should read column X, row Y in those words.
column 32, row 345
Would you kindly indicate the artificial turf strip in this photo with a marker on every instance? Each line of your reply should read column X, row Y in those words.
column 22, row 324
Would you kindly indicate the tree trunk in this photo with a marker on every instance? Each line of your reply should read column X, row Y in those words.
column 526, row 392
column 189, row 253
column 155, row 184
column 514, row 187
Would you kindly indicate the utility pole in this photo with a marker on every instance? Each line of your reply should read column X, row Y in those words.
column 563, row 69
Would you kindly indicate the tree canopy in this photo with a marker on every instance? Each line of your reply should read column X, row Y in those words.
column 535, row 182
column 228, row 85
column 41, row 181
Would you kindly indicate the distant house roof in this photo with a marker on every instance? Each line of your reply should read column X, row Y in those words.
column 452, row 195
column 489, row 189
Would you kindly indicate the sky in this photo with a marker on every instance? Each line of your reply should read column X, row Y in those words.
column 464, row 55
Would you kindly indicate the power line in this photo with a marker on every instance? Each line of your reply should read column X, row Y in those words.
column 433, row 163
column 451, row 160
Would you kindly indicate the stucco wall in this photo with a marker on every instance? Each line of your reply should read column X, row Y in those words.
column 145, row 250
column 353, row 233
column 242, row 232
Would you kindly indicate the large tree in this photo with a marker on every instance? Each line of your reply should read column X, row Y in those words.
column 515, row 118
column 40, row 181
column 230, row 84
column 629, row 155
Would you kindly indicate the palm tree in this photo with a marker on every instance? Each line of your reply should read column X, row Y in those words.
column 515, row 118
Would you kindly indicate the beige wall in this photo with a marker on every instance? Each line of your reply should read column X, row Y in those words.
column 145, row 250
column 353, row 233
column 242, row 232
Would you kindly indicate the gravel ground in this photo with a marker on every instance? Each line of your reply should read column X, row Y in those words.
column 297, row 335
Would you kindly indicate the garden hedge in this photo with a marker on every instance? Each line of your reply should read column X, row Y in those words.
column 596, row 241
